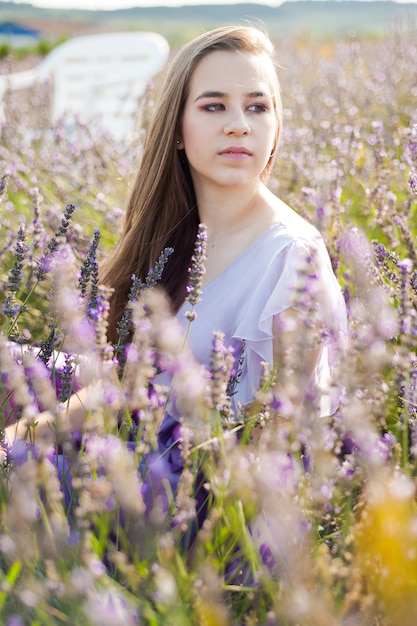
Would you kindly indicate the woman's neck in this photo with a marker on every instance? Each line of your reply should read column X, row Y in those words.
column 230, row 210
column 234, row 221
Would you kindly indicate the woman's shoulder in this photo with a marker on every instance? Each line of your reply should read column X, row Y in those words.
column 293, row 223
column 290, row 243
column 290, row 231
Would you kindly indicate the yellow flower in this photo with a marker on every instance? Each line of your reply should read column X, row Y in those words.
column 386, row 547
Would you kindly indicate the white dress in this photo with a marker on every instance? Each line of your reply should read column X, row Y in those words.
column 242, row 301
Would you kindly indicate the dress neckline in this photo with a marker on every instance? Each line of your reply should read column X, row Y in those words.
column 238, row 258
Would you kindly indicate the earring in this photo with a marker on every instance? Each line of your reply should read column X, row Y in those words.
column 178, row 141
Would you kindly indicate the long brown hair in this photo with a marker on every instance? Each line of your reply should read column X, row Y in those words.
column 162, row 210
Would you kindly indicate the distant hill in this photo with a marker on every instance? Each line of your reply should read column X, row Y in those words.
column 321, row 18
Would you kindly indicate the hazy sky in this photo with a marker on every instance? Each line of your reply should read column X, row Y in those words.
column 123, row 4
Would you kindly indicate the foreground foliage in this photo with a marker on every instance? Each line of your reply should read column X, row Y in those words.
column 312, row 524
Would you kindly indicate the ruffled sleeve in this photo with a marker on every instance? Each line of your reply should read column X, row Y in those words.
column 298, row 275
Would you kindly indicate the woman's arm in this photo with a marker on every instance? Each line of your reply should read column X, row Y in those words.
column 46, row 426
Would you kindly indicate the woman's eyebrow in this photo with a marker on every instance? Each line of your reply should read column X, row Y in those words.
column 221, row 94
column 258, row 94
column 211, row 94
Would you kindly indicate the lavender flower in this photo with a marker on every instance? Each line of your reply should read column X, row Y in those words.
column 124, row 327
column 377, row 126
column 413, row 281
column 236, row 371
column 89, row 269
column 108, row 607
column 406, row 266
column 11, row 308
column 66, row 379
column 412, row 181
column 155, row 273
column 99, row 317
column 221, row 366
column 412, row 144
column 15, row 620
column 47, row 345
column 45, row 262
column 380, row 251
column 197, row 271
column 3, row 184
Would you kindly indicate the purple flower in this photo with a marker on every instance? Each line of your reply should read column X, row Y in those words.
column 64, row 381
column 349, row 446
column 405, row 265
column 412, row 144
column 45, row 262
column 102, row 447
column 412, row 181
column 155, row 273
column 89, row 269
column 3, row 185
column 20, row 451
column 197, row 269
column 14, row 620
column 381, row 252
column 124, row 327
column 377, row 126
column 267, row 557
column 10, row 307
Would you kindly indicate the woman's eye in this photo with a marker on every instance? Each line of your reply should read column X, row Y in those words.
column 214, row 107
column 257, row 108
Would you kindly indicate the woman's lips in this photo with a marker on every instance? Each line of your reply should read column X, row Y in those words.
column 236, row 152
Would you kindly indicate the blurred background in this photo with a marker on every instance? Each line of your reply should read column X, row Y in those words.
column 24, row 26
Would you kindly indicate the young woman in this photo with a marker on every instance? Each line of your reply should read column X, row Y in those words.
column 207, row 158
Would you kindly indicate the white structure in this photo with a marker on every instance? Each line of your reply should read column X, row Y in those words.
column 97, row 79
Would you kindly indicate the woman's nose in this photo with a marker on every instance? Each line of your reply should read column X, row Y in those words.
column 237, row 124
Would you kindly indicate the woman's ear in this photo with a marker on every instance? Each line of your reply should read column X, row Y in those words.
column 179, row 144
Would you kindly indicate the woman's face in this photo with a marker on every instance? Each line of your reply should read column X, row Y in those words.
column 229, row 123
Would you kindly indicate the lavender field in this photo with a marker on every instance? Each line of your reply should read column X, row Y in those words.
column 310, row 524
